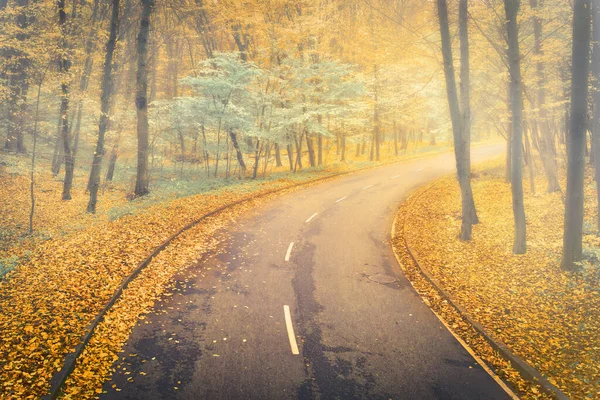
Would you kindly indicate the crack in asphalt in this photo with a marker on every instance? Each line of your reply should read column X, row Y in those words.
column 329, row 376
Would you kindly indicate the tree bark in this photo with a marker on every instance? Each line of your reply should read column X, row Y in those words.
column 238, row 152
column 141, row 100
column 64, row 66
column 105, row 99
column 511, row 8
column 545, row 145
column 573, row 229
column 14, row 71
column 278, row 155
column 470, row 214
column 112, row 161
column 455, row 114
column 290, row 156
column 320, row 150
column 311, row 150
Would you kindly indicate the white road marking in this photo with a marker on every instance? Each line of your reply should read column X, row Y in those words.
column 338, row 200
column 367, row 187
column 289, row 252
column 311, row 217
column 290, row 330
column 397, row 176
column 420, row 169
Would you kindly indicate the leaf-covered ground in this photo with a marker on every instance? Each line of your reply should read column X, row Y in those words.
column 547, row 316
column 65, row 276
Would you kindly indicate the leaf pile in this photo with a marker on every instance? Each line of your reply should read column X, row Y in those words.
column 47, row 303
column 549, row 317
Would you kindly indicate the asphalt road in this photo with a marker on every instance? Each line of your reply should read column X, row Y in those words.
column 223, row 335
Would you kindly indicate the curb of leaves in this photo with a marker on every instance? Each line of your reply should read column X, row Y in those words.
column 526, row 371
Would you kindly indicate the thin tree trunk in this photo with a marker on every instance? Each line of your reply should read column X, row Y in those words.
column 238, row 152
column 573, row 229
column 141, row 100
column 529, row 160
column 290, row 156
column 516, row 100
column 15, row 71
column 104, row 108
column 311, row 150
column 64, row 66
column 455, row 114
column 57, row 156
column 33, row 153
column 278, row 155
column 320, row 150
column 112, row 161
column 470, row 213
column 545, row 147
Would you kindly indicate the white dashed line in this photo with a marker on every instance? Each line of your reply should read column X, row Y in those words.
column 311, row 217
column 289, row 252
column 397, row 176
column 367, row 187
column 420, row 169
column 290, row 330
column 338, row 200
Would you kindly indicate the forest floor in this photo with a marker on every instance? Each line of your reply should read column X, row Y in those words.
column 548, row 317
column 64, row 274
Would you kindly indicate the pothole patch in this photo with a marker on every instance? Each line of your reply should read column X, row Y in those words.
column 381, row 278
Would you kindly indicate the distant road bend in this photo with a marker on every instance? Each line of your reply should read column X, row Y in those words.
column 298, row 305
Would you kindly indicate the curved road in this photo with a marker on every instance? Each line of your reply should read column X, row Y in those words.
column 316, row 253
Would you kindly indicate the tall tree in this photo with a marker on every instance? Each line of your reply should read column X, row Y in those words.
column 64, row 67
column 511, row 8
column 573, row 229
column 462, row 163
column 465, row 97
column 14, row 72
column 141, row 100
column 596, row 100
column 545, row 139
column 105, row 106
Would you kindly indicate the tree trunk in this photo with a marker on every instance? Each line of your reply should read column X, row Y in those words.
column 311, row 150
column 470, row 213
column 257, row 153
column 455, row 114
column 516, row 101
column 112, row 161
column 141, row 97
column 14, row 71
column 57, row 156
column 544, row 145
column 278, row 155
column 238, row 152
column 529, row 162
column 596, row 101
column 290, row 155
column 298, row 163
column 105, row 100
column 573, row 229
column 64, row 66
column 320, row 150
